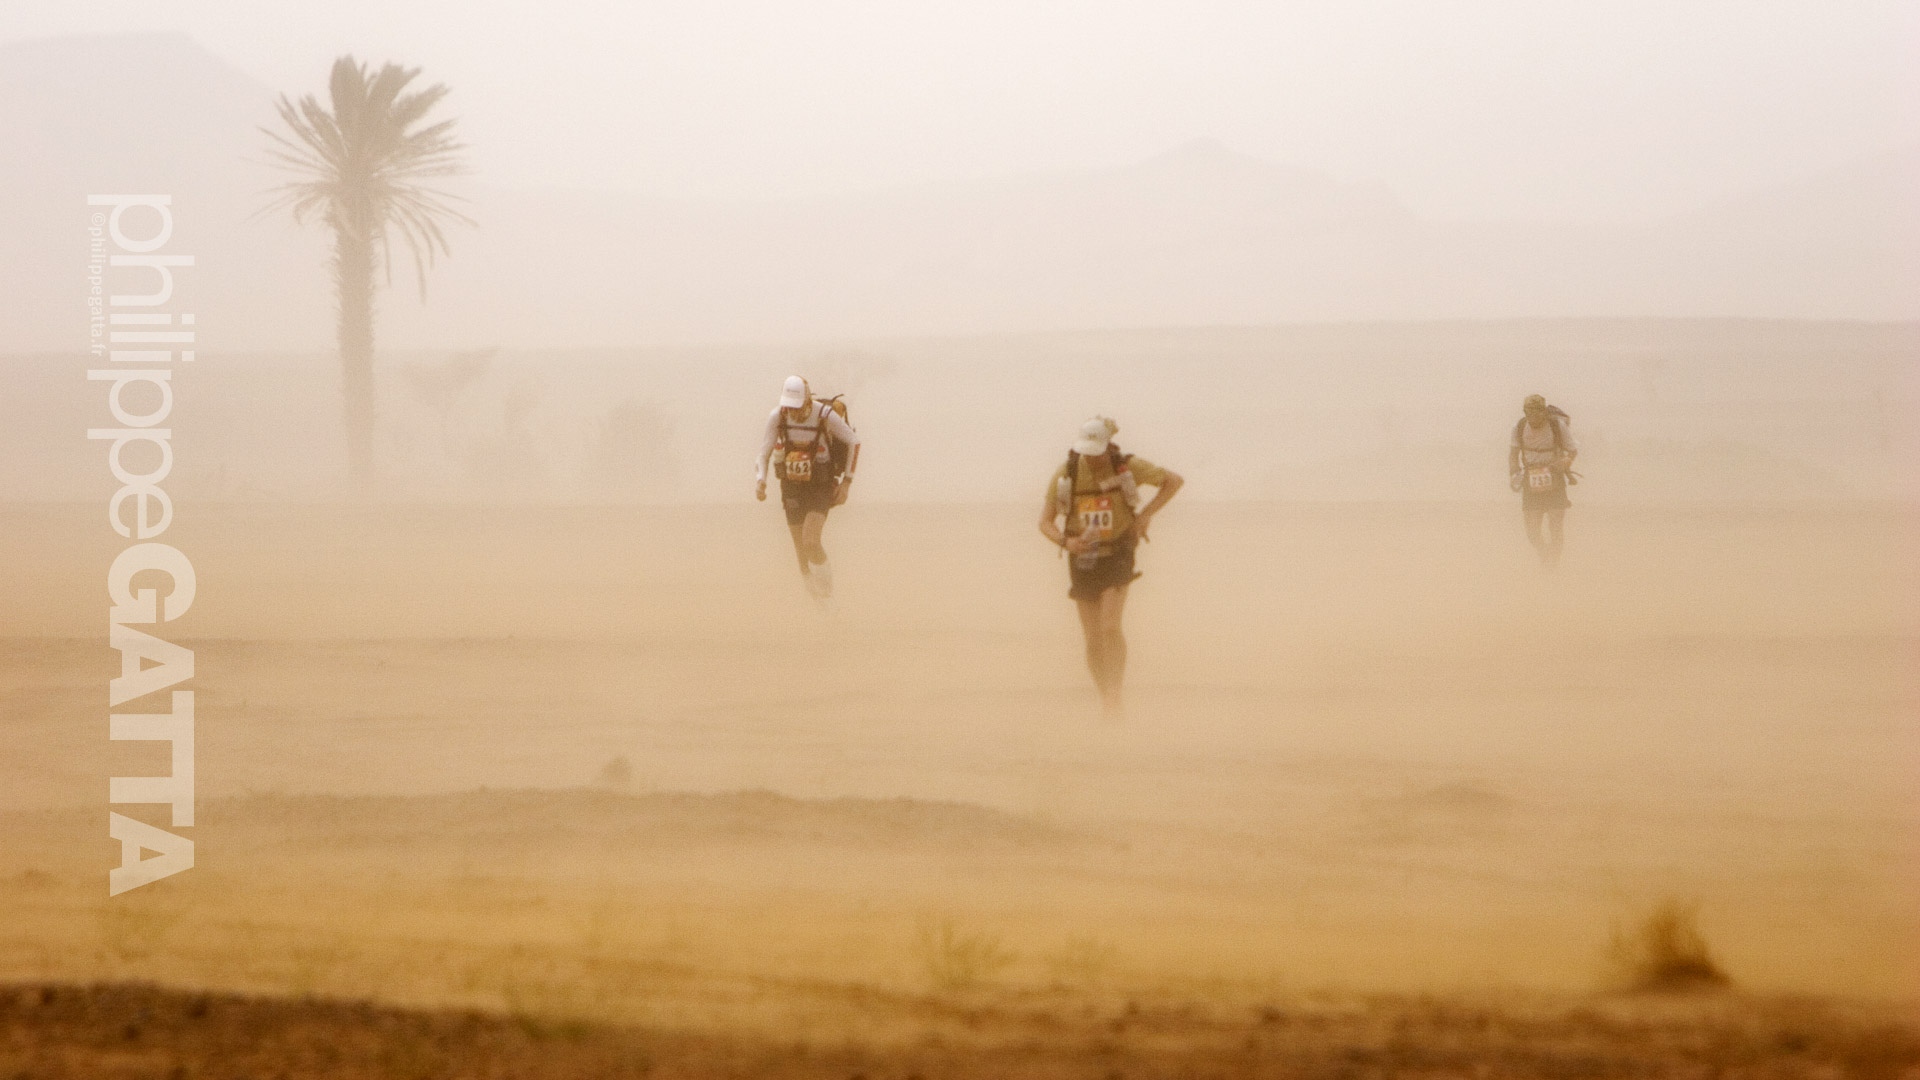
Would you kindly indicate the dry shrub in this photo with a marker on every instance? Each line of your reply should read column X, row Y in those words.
column 955, row 959
column 1667, row 953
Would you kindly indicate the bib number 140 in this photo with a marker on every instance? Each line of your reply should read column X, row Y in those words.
column 1096, row 517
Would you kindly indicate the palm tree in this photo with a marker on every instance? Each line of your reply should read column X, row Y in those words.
column 363, row 170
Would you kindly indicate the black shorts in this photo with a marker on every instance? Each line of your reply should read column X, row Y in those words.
column 1114, row 568
column 814, row 496
column 1553, row 498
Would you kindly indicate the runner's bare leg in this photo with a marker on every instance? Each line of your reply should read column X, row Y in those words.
column 806, row 539
column 1106, row 645
column 799, row 546
column 1556, row 536
column 1113, row 603
column 809, row 538
column 1533, row 532
column 1096, row 641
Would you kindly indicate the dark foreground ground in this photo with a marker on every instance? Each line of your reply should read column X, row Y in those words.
column 136, row 1031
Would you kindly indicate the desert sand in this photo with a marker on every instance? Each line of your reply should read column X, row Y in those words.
column 1375, row 762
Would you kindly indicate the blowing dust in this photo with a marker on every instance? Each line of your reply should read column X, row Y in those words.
column 1368, row 747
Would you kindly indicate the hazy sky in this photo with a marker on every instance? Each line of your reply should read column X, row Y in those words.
column 1525, row 108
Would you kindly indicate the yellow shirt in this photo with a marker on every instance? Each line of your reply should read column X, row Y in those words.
column 1103, row 509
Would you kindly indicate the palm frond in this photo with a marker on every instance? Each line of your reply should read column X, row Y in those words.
column 361, row 162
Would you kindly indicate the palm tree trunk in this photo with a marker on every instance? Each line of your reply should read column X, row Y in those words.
column 353, row 265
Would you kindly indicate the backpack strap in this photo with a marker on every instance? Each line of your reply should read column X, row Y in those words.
column 1129, row 490
column 1070, row 483
column 826, row 429
column 1553, row 426
column 786, row 441
column 1069, row 486
column 784, row 431
column 817, row 425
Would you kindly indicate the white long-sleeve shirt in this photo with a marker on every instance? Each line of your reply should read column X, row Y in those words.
column 802, row 432
column 1536, row 445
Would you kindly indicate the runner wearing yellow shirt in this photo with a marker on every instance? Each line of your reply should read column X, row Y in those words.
column 1093, row 511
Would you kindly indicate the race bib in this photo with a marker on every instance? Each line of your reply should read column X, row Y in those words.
column 799, row 467
column 1096, row 517
column 1539, row 478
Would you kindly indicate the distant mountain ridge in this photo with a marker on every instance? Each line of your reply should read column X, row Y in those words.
column 1199, row 235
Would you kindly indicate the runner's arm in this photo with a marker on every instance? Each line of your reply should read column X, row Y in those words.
column 1170, row 484
column 853, row 462
column 766, row 447
column 843, row 432
column 1050, row 522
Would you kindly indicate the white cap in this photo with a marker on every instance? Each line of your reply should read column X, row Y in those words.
column 794, row 394
column 1094, row 435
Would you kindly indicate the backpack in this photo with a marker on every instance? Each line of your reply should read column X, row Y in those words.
column 1070, row 483
column 834, row 446
column 1557, row 418
column 836, row 450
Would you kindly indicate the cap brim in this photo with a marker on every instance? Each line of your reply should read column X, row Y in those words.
column 1088, row 447
column 790, row 401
